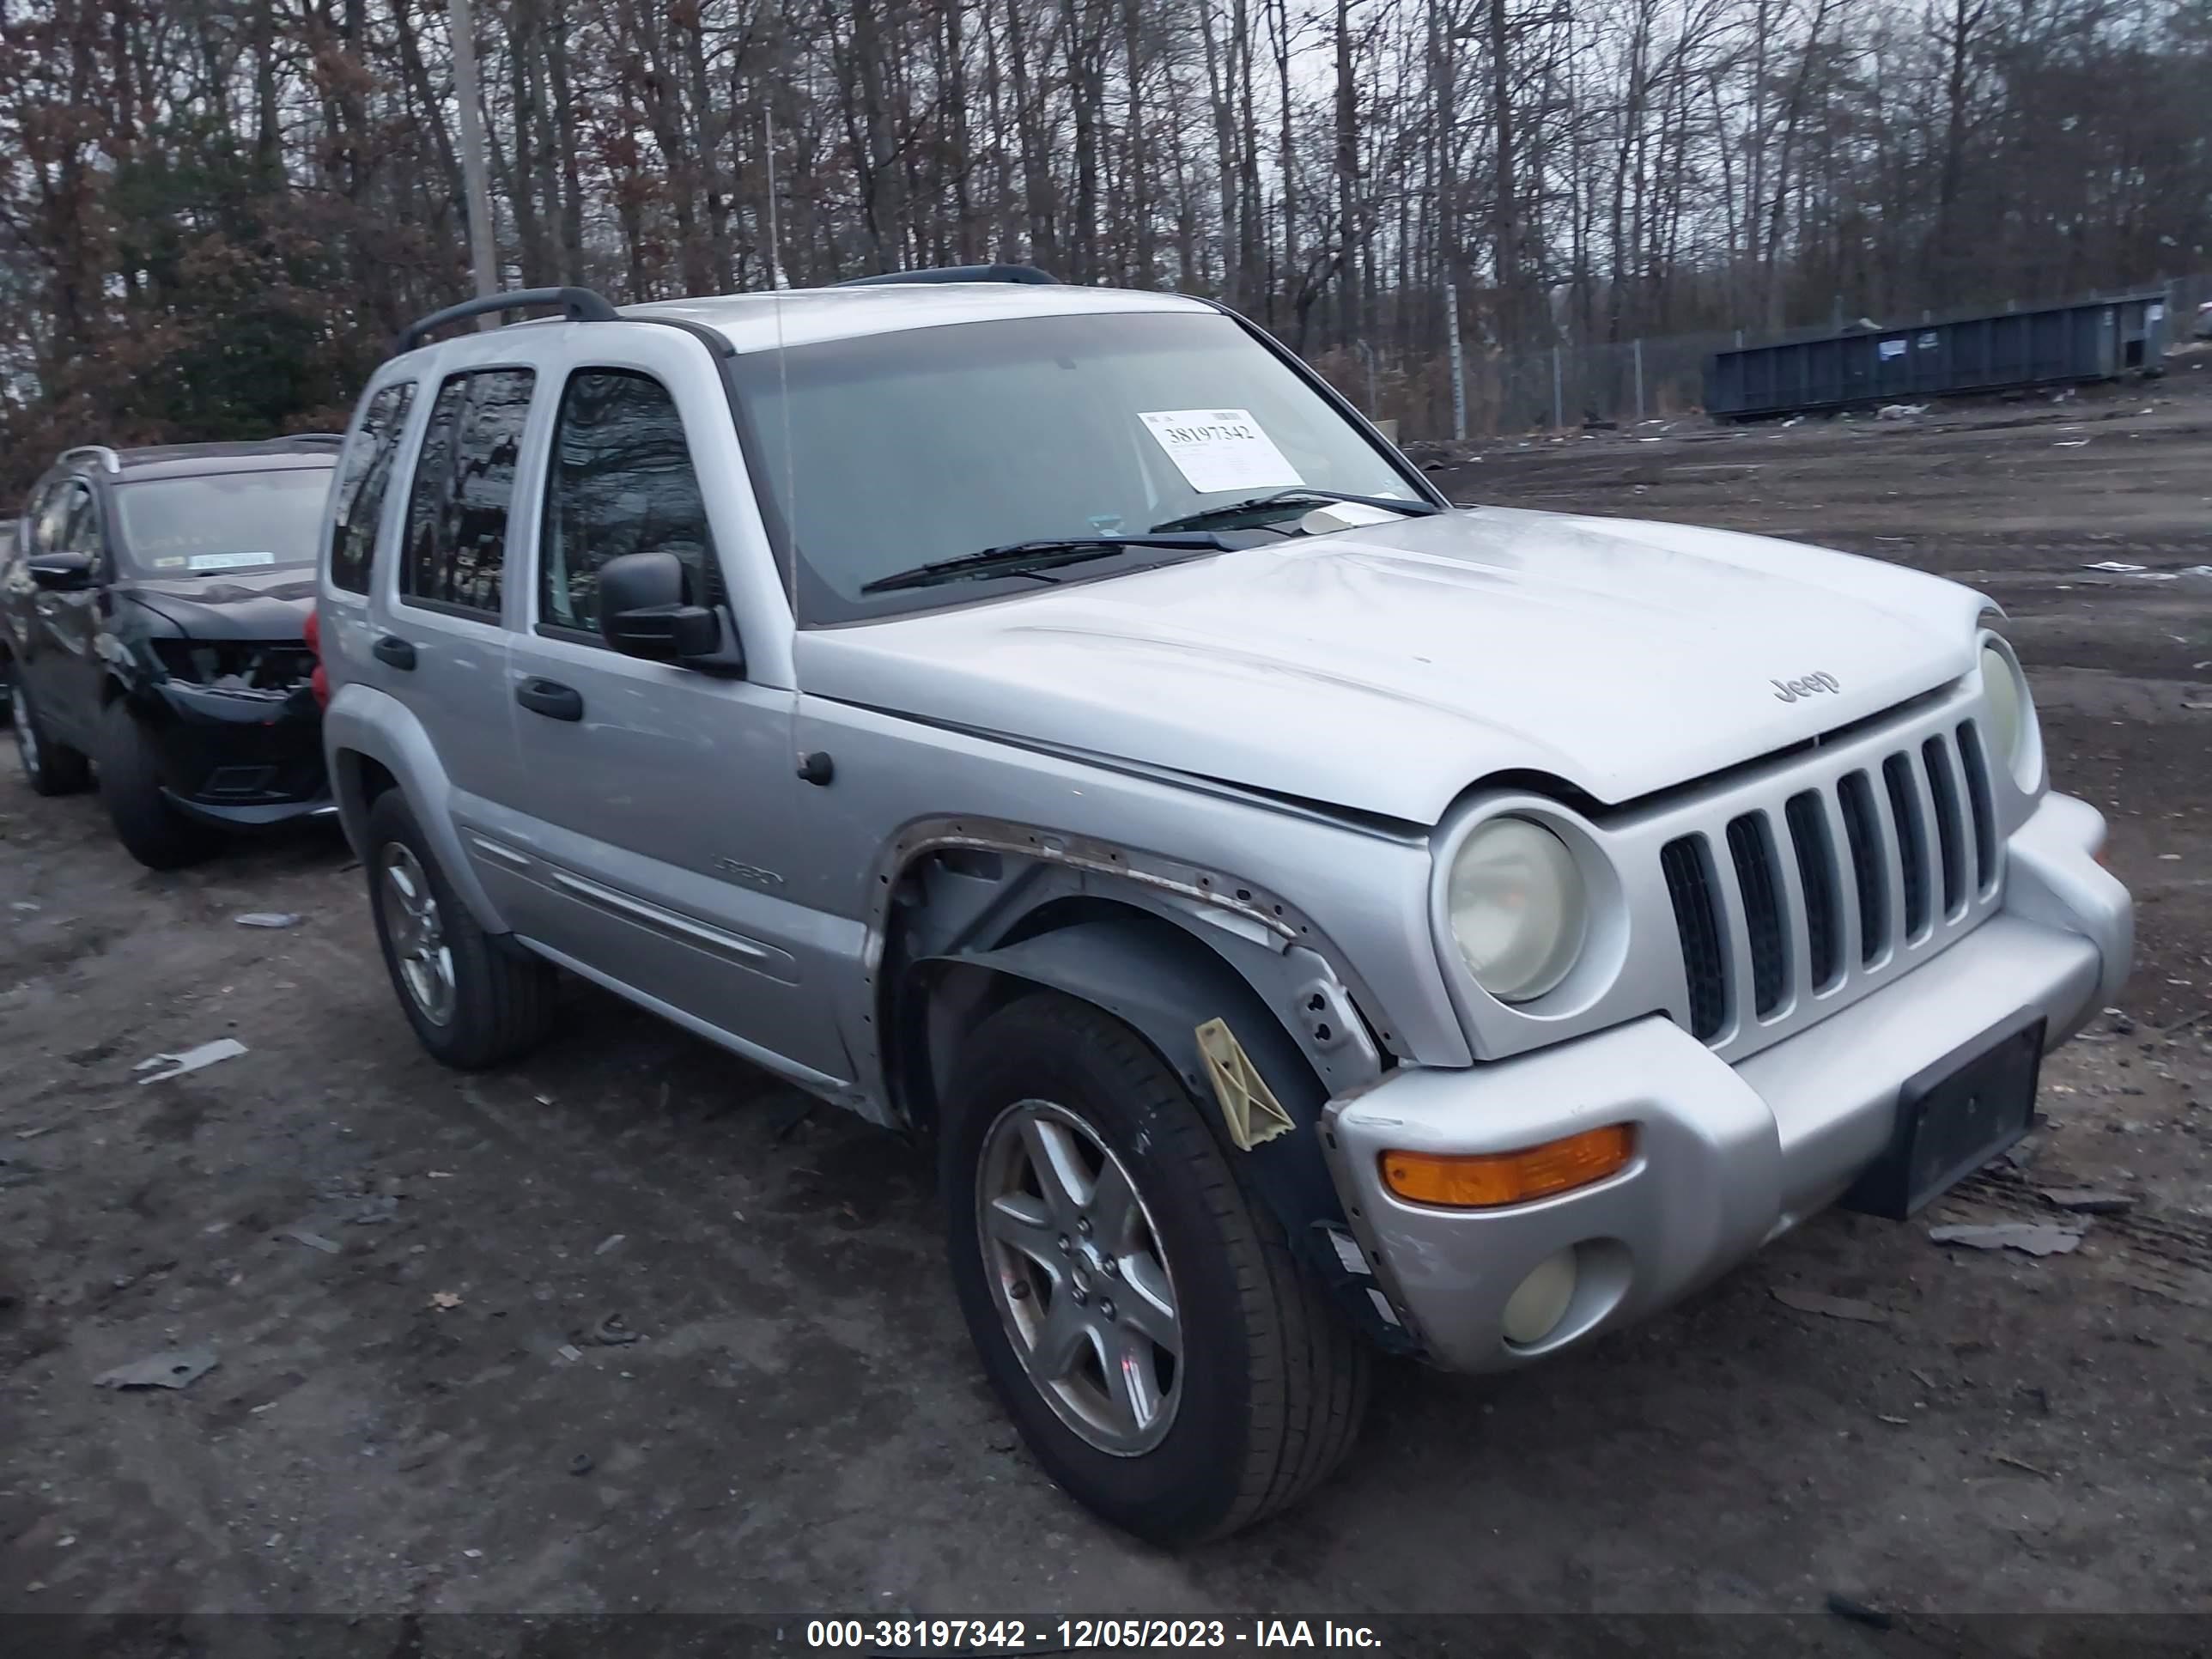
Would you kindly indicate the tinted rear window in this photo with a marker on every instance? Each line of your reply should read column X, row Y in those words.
column 221, row 521
column 456, row 547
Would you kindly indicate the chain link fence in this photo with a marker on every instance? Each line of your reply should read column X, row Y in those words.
column 1576, row 384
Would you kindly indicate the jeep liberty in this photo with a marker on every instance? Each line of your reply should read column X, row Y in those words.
column 1306, row 918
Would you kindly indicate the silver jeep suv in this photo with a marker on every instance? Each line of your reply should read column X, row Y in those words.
column 1305, row 917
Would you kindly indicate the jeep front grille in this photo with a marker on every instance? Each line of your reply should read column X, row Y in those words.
column 1771, row 907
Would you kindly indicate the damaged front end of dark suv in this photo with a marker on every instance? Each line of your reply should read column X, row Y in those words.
column 159, row 620
column 219, row 678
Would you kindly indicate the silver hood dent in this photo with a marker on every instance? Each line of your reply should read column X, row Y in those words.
column 1386, row 669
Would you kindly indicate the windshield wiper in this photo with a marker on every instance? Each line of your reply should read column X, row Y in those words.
column 1024, row 558
column 1295, row 496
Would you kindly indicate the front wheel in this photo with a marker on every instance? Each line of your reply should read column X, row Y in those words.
column 1144, row 1325
column 151, row 830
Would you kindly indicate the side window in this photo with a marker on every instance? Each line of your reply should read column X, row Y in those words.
column 33, row 532
column 69, row 521
column 456, row 528
column 621, row 481
column 364, row 475
column 51, row 528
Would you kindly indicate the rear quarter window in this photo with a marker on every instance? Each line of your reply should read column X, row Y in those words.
column 364, row 479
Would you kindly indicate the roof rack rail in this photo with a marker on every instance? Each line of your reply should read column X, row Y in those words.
column 308, row 438
column 581, row 305
column 956, row 274
column 108, row 460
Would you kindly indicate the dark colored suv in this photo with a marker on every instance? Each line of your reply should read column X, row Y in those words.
column 155, row 617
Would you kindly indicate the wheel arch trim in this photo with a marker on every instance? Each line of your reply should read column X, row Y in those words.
column 362, row 723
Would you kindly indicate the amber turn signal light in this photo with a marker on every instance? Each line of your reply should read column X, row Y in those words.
column 1485, row 1180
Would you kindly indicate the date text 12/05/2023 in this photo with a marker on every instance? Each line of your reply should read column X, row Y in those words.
column 1014, row 1635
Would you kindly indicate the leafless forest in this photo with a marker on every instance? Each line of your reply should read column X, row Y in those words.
column 212, row 213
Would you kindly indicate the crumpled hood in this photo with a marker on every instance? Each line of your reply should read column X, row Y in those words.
column 234, row 605
column 1386, row 669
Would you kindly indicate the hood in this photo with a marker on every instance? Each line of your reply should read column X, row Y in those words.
column 236, row 604
column 1387, row 668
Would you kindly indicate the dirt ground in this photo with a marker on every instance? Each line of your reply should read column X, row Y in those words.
column 403, row 1272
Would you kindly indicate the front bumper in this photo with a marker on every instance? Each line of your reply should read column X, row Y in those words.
column 238, row 760
column 1727, row 1156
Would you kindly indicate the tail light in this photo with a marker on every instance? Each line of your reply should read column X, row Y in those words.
column 312, row 633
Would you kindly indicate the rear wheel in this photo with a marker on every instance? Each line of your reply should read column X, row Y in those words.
column 49, row 768
column 473, row 1000
column 1138, row 1315
column 151, row 830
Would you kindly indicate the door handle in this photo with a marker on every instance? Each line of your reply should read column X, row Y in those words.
column 551, row 699
column 393, row 652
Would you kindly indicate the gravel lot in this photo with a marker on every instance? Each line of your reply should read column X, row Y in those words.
column 403, row 1272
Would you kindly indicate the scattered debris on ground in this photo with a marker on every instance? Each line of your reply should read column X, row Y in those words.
column 179, row 1369
column 191, row 1060
column 611, row 1333
column 267, row 918
column 1846, row 1606
column 2087, row 1200
column 1832, row 1307
column 2035, row 1238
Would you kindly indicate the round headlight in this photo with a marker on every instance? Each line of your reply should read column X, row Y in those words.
column 2006, row 693
column 1518, row 906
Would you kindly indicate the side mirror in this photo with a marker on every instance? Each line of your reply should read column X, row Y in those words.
column 61, row 572
column 645, row 610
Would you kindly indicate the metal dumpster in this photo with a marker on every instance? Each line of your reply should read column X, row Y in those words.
column 2048, row 345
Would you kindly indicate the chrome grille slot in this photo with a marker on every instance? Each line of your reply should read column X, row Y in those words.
column 1752, row 849
column 1911, row 840
column 1817, row 876
column 1869, row 865
column 1984, row 810
column 1950, row 823
column 1690, row 885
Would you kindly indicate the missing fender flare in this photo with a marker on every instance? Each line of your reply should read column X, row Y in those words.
column 1248, row 1105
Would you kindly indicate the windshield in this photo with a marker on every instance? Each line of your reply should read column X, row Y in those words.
column 890, row 451
column 220, row 521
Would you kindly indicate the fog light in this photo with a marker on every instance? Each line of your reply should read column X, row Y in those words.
column 1533, row 1312
column 1485, row 1180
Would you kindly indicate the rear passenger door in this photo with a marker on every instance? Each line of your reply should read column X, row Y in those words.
column 656, row 802
column 439, row 644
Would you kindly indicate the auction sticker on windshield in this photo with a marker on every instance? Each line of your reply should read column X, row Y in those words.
column 227, row 561
column 1220, row 449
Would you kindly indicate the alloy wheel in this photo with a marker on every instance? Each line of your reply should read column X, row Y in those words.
column 1079, row 1277
column 417, row 932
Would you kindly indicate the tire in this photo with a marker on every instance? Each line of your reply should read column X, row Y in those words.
column 49, row 768
column 473, row 998
column 151, row 830
column 1269, row 1381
